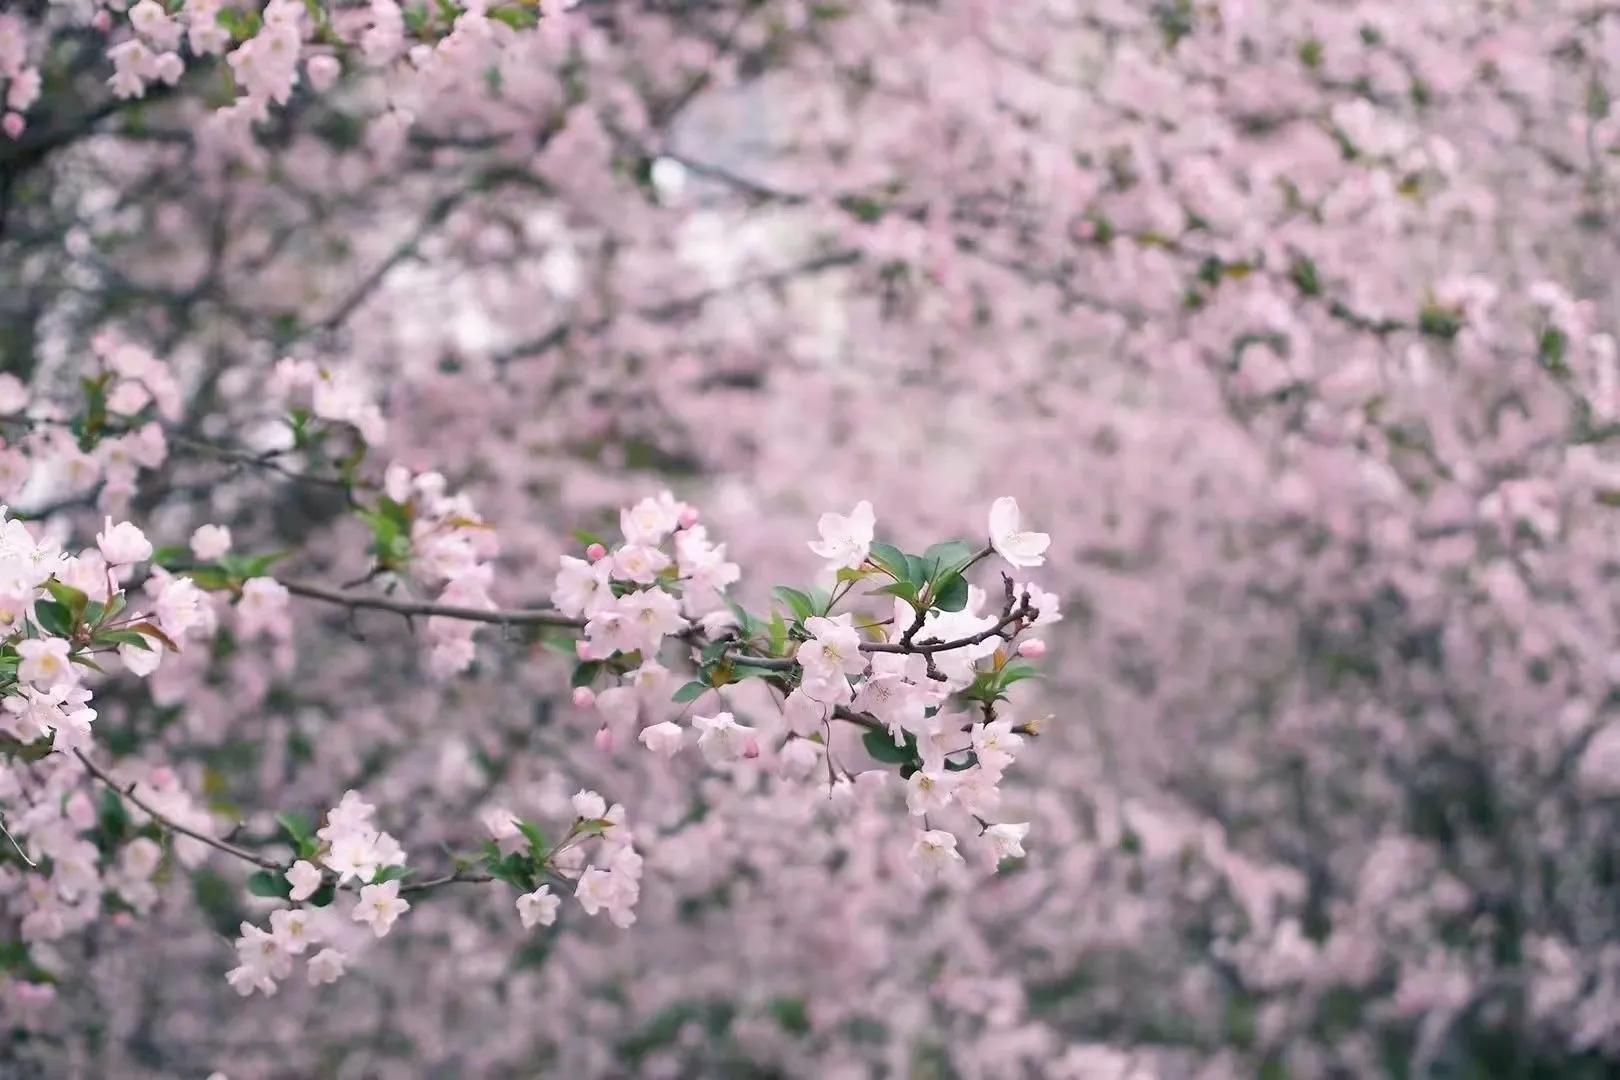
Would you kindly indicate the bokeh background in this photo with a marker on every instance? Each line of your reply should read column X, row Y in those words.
column 1289, row 320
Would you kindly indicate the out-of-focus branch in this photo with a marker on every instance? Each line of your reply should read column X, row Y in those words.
column 678, row 306
column 413, row 608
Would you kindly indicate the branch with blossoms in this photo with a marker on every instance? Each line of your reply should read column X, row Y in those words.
column 270, row 48
column 901, row 647
column 920, row 667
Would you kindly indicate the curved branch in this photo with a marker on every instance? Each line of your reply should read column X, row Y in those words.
column 128, row 792
column 928, row 648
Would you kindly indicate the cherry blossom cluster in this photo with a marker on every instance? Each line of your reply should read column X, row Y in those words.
column 596, row 854
column 349, row 855
column 101, row 447
column 926, row 669
column 910, row 680
column 65, row 616
column 19, row 79
column 346, row 851
column 1291, row 314
column 271, row 50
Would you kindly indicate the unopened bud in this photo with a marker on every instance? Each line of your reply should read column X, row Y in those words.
column 605, row 740
column 751, row 751
column 13, row 125
column 102, row 21
column 689, row 517
column 584, row 697
column 323, row 71
column 596, row 553
column 1032, row 649
column 582, row 649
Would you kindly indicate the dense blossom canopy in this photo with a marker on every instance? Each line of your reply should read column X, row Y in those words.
column 1066, row 538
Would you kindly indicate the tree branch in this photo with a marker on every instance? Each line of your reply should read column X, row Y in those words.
column 169, row 823
column 411, row 608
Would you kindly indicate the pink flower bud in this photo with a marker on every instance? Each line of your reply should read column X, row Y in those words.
column 102, row 20
column 689, row 517
column 13, row 125
column 584, row 697
column 1032, row 649
column 323, row 71
column 751, row 751
column 596, row 553
column 605, row 740
column 582, row 649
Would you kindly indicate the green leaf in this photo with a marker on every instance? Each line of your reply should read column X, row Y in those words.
column 779, row 633
column 949, row 555
column 905, row 590
column 1304, row 275
column 299, row 827
column 53, row 618
column 690, row 692
column 891, row 559
column 152, row 631
column 919, row 571
column 798, row 603
column 791, row 1014
column 122, row 637
column 881, row 747
column 268, row 884
column 856, row 574
column 560, row 642
column 593, row 826
column 96, row 614
column 516, row 18
column 536, row 839
column 1016, row 673
column 113, row 817
column 746, row 623
column 37, row 750
column 243, row 567
column 586, row 673
column 1440, row 322
column 1550, row 349
column 951, row 592
column 210, row 579
column 390, row 528
column 985, row 688
column 392, row 873
column 69, row 597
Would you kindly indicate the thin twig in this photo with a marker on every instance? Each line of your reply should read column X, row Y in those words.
column 20, row 852
column 128, row 792
column 169, row 823
column 411, row 608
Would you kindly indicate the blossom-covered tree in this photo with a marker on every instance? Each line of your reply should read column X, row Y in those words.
column 1256, row 352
